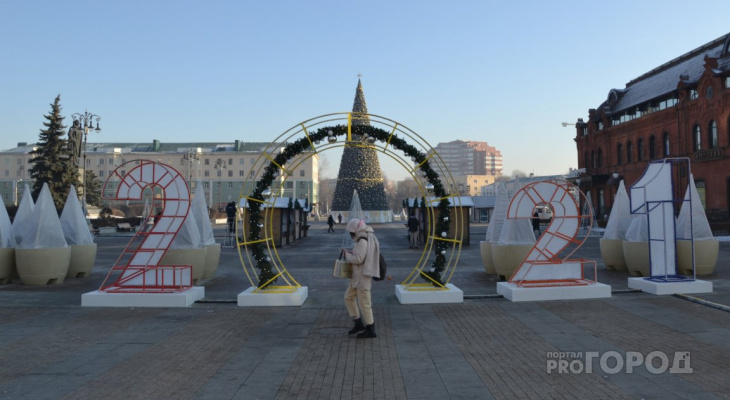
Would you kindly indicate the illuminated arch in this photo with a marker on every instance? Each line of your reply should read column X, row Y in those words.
column 256, row 247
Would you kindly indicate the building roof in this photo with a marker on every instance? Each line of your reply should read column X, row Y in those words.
column 484, row 201
column 663, row 80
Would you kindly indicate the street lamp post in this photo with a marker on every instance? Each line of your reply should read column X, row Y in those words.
column 84, row 122
column 191, row 155
column 220, row 165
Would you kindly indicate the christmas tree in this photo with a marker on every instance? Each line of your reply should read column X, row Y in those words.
column 359, row 166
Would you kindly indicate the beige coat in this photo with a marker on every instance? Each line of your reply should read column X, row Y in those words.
column 365, row 259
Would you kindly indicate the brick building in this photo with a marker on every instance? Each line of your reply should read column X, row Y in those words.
column 678, row 109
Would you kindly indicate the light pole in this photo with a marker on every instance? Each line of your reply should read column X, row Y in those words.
column 220, row 165
column 84, row 122
column 191, row 155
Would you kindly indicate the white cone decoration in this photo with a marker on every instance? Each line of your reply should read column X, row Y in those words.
column 188, row 237
column 498, row 215
column 620, row 218
column 43, row 228
column 7, row 239
column 73, row 221
column 355, row 213
column 23, row 215
column 697, row 227
column 516, row 231
column 199, row 209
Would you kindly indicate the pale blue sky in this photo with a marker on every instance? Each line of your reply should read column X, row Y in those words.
column 505, row 72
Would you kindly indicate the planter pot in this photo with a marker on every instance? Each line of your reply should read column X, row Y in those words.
column 82, row 260
column 507, row 257
column 612, row 252
column 194, row 257
column 42, row 266
column 212, row 258
column 636, row 255
column 486, row 251
column 706, row 252
column 7, row 264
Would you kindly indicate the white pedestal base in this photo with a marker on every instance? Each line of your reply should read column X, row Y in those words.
column 512, row 292
column 661, row 288
column 105, row 299
column 452, row 295
column 248, row 298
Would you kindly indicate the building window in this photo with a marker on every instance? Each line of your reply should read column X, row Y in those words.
column 230, row 161
column 640, row 150
column 206, row 185
column 652, row 147
column 713, row 135
column 301, row 172
column 251, row 174
column 301, row 185
column 593, row 159
column 619, row 154
column 206, row 174
column 696, row 137
column 629, row 152
column 101, row 174
column 665, row 144
column 599, row 160
column 230, row 173
column 241, row 161
column 727, row 82
column 207, row 161
column 693, row 94
column 241, row 173
column 230, row 185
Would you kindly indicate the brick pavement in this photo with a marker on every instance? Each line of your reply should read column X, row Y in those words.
column 482, row 349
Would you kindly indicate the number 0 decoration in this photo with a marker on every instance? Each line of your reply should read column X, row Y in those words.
column 548, row 263
column 138, row 269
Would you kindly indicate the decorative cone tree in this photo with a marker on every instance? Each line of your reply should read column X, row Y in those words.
column 359, row 166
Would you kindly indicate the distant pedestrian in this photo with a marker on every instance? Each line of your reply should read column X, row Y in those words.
column 365, row 260
column 331, row 223
column 412, row 232
column 339, row 218
column 536, row 223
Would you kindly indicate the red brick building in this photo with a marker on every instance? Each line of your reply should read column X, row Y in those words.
column 679, row 109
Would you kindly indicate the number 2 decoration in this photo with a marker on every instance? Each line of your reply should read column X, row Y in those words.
column 548, row 263
column 138, row 269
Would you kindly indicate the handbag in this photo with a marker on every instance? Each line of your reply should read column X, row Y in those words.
column 342, row 269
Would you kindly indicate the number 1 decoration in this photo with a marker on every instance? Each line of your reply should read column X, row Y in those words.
column 138, row 269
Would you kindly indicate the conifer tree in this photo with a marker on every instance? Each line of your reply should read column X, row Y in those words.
column 52, row 163
column 359, row 167
column 93, row 189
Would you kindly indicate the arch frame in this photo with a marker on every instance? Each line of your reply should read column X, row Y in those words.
column 256, row 247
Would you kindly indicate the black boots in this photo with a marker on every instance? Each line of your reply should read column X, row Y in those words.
column 369, row 332
column 358, row 327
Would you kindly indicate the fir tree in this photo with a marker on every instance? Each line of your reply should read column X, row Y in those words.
column 52, row 163
column 93, row 189
column 359, row 167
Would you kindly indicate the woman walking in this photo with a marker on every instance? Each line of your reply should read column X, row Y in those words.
column 365, row 258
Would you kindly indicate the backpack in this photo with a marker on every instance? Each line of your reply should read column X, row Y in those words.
column 381, row 263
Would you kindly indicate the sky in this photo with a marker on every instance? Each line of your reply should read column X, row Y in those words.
column 504, row 72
